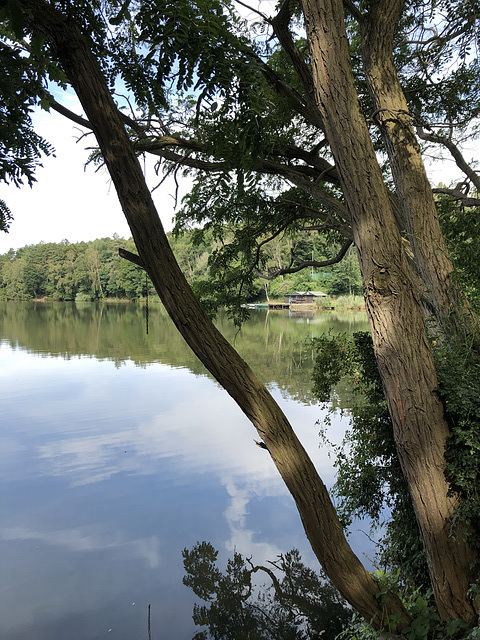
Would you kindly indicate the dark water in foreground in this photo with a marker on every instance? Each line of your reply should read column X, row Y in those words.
column 117, row 451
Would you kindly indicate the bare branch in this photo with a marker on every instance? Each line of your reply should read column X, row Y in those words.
column 460, row 161
column 280, row 24
column 259, row 13
column 187, row 161
column 83, row 122
column 59, row 108
column 132, row 257
column 303, row 264
column 445, row 36
column 151, row 145
column 458, row 195
column 353, row 10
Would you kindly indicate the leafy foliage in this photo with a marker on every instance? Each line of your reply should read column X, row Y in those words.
column 5, row 216
column 20, row 147
column 370, row 482
column 66, row 271
column 458, row 370
column 426, row 623
column 461, row 228
column 295, row 604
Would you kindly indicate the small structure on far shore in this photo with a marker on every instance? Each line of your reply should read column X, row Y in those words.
column 299, row 301
column 304, row 297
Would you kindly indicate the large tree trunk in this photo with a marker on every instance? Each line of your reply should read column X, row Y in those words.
column 316, row 510
column 440, row 294
column 394, row 309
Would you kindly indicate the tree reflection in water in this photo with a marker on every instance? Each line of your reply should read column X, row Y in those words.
column 285, row 600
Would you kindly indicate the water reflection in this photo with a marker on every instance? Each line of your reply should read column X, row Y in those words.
column 284, row 600
column 107, row 472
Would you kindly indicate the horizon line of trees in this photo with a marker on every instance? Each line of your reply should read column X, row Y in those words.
column 93, row 270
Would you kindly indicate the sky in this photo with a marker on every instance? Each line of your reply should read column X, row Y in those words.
column 71, row 201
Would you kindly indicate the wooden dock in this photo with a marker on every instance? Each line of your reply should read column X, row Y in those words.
column 297, row 306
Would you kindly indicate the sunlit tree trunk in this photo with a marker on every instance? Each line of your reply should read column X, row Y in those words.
column 394, row 308
column 440, row 294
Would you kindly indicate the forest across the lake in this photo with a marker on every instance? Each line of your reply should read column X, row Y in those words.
column 93, row 270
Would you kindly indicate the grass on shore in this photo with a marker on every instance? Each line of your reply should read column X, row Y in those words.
column 342, row 302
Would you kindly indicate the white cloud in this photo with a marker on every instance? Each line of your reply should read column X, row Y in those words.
column 87, row 539
column 186, row 432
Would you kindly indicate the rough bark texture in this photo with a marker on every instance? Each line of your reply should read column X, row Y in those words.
column 394, row 309
column 421, row 225
column 316, row 510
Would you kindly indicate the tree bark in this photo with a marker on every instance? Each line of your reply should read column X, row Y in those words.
column 440, row 294
column 311, row 497
column 394, row 309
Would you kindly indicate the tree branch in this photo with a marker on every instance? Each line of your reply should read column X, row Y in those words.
column 353, row 11
column 303, row 264
column 132, row 257
column 259, row 13
column 455, row 152
column 458, row 195
column 280, row 24
column 306, row 178
column 59, row 108
column 83, row 122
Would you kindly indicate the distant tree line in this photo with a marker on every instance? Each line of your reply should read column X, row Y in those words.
column 94, row 270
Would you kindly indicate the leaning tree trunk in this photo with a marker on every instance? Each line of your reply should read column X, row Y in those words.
column 311, row 497
column 394, row 308
column 440, row 294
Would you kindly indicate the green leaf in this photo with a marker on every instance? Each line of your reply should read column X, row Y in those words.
column 36, row 44
column 122, row 14
column 45, row 103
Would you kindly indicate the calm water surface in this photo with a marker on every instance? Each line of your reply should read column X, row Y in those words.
column 118, row 450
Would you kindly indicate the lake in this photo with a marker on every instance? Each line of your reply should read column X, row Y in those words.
column 118, row 450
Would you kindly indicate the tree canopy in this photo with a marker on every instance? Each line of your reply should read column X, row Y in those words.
column 229, row 100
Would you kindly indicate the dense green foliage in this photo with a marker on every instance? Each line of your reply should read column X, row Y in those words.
column 369, row 481
column 82, row 271
column 94, row 271
column 426, row 623
column 65, row 271
column 461, row 228
column 295, row 604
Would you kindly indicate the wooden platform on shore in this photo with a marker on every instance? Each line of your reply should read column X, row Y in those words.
column 286, row 305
